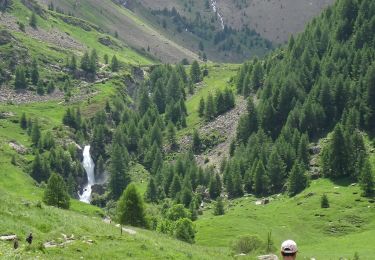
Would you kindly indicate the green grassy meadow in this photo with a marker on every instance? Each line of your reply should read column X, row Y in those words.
column 348, row 226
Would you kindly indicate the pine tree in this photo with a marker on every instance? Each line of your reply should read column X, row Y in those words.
column 106, row 59
column 237, row 184
column 175, row 187
column 37, row 168
column 35, row 133
column 73, row 63
column 34, row 72
column 214, row 187
column 171, row 135
column 186, row 196
column 260, row 179
column 210, row 111
column 20, row 79
column 370, row 97
column 119, row 177
column 324, row 203
column 248, row 123
column 85, row 62
column 114, row 64
column 257, row 77
column 195, row 72
column 303, row 150
column 276, row 171
column 297, row 180
column 202, row 107
column 197, row 143
column 56, row 193
column 219, row 207
column 33, row 21
column 131, row 209
column 366, row 179
column 151, row 194
column 23, row 121
column 156, row 135
column 336, row 162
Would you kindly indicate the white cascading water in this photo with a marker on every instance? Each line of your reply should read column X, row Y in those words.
column 89, row 165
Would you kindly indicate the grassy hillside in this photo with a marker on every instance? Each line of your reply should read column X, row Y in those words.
column 56, row 31
column 131, row 30
column 339, row 231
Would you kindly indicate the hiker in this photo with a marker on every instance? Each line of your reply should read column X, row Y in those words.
column 15, row 243
column 289, row 250
column 29, row 239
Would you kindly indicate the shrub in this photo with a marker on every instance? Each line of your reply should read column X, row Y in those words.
column 219, row 207
column 324, row 203
column 184, row 230
column 247, row 244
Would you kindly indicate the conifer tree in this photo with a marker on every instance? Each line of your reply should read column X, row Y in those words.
column 73, row 63
column 210, row 111
column 370, row 97
column 35, row 133
column 197, row 143
column 276, row 171
column 23, row 121
column 114, row 64
column 202, row 107
column 85, row 62
column 366, row 179
column 260, row 179
column 171, row 135
column 248, row 181
column 33, row 20
column 175, row 187
column 336, row 161
column 119, row 177
column 324, row 203
column 20, row 81
column 106, row 58
column 34, row 72
column 186, row 196
column 151, row 194
column 56, row 193
column 297, row 180
column 219, row 207
column 131, row 209
column 214, row 187
column 195, row 72
column 37, row 168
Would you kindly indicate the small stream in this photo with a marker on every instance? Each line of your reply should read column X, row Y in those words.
column 89, row 166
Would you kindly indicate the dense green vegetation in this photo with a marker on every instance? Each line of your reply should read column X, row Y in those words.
column 318, row 82
column 310, row 105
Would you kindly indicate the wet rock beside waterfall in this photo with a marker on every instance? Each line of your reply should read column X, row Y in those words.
column 98, row 189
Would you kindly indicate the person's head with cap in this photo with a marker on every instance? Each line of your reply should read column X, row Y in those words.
column 289, row 249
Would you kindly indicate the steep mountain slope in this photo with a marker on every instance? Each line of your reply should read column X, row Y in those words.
column 130, row 28
column 273, row 20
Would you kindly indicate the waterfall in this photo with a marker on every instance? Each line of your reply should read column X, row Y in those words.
column 214, row 8
column 89, row 165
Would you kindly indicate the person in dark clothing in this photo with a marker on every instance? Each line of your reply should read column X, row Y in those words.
column 29, row 239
